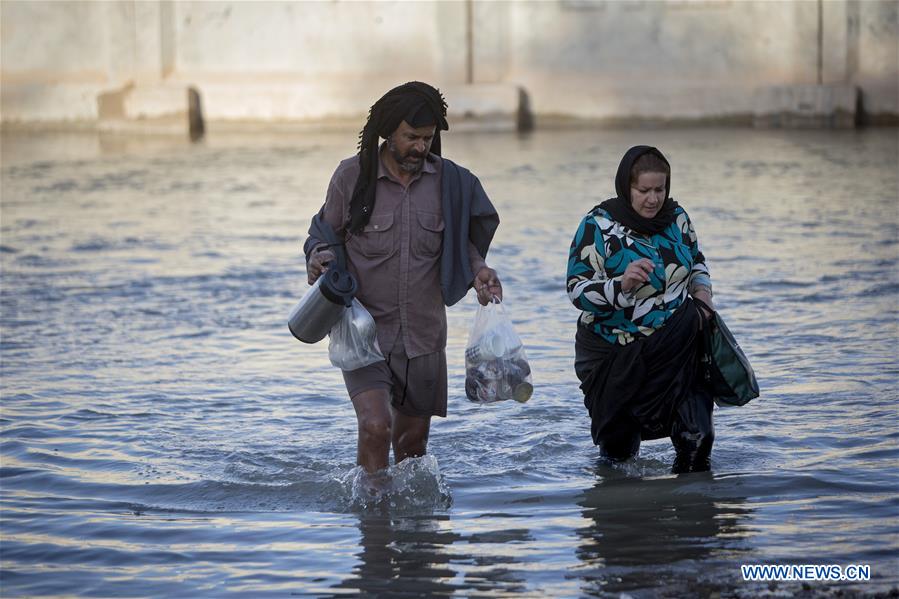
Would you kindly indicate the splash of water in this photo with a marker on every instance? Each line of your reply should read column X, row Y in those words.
column 413, row 485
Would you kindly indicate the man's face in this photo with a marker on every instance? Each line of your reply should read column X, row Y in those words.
column 410, row 145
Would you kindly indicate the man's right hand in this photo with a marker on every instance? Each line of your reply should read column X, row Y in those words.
column 318, row 263
column 636, row 274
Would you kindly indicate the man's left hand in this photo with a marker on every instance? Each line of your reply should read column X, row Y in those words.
column 487, row 284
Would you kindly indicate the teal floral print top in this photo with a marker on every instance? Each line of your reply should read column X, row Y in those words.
column 601, row 251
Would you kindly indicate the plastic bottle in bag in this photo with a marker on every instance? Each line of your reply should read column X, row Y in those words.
column 496, row 368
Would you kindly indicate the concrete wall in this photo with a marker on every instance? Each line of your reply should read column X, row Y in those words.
column 319, row 61
column 872, row 59
column 688, row 59
column 694, row 59
column 311, row 60
column 54, row 59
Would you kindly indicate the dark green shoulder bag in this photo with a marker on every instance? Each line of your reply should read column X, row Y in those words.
column 728, row 375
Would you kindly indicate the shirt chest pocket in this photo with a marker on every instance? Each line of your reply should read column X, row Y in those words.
column 377, row 238
column 427, row 237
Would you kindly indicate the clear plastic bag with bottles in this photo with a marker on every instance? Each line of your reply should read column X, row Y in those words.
column 496, row 367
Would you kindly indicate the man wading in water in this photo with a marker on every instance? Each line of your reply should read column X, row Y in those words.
column 416, row 228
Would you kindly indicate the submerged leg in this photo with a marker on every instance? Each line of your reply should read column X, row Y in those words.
column 410, row 436
column 620, row 444
column 693, row 434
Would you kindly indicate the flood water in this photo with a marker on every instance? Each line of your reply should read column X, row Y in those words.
column 164, row 435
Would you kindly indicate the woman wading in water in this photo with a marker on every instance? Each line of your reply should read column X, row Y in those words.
column 633, row 268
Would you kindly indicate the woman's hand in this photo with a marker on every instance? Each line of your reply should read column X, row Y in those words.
column 487, row 284
column 636, row 274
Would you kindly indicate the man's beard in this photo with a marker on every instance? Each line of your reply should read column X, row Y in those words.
column 411, row 162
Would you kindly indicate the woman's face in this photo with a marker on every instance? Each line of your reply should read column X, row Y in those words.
column 648, row 194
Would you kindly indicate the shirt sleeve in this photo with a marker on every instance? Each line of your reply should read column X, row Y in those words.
column 699, row 274
column 333, row 212
column 589, row 287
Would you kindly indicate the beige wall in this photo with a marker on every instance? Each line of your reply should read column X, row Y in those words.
column 689, row 58
column 873, row 56
column 313, row 61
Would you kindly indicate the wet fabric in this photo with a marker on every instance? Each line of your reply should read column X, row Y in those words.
column 692, row 433
column 617, row 429
column 640, row 385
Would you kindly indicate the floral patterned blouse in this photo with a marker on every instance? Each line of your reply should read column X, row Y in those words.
column 600, row 253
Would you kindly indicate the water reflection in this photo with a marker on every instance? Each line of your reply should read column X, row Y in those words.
column 642, row 529
column 403, row 556
column 423, row 556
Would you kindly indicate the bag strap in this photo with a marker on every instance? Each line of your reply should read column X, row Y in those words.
column 702, row 304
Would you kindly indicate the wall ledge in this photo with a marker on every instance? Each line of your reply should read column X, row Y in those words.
column 834, row 106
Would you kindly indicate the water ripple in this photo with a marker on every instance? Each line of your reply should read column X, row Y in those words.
column 157, row 417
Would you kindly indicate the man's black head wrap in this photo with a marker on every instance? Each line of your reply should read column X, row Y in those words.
column 417, row 103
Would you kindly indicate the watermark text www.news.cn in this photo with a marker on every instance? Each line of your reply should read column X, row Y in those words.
column 805, row 572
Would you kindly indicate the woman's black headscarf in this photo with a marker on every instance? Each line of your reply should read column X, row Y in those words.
column 417, row 103
column 620, row 207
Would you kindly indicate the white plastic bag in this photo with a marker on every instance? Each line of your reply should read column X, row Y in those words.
column 496, row 367
column 354, row 339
